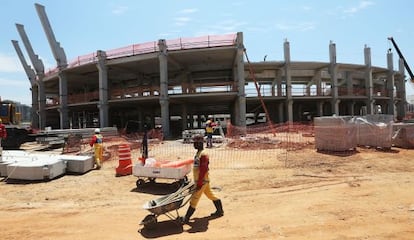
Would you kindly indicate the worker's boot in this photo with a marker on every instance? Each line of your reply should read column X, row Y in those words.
column 219, row 209
column 98, row 164
column 189, row 213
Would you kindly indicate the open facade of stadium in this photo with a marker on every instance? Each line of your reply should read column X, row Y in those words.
column 178, row 83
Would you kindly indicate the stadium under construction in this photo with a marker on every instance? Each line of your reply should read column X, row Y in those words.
column 178, row 83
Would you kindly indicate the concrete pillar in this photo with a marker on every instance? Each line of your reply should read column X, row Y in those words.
column 318, row 83
column 368, row 81
column 103, row 89
column 390, row 84
column 281, row 112
column 319, row 108
column 164, row 98
column 240, row 107
column 349, row 85
column 41, row 100
column 333, row 70
column 288, row 76
column 63, row 101
column 184, row 114
column 35, row 106
column 279, row 84
column 275, row 83
column 401, row 109
column 351, row 108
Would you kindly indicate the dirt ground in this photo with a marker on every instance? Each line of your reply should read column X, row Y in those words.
column 367, row 194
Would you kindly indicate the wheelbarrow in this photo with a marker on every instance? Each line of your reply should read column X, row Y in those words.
column 167, row 205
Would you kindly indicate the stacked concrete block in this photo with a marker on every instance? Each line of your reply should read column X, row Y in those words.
column 78, row 164
column 335, row 133
column 403, row 135
column 10, row 157
column 375, row 130
column 21, row 165
column 37, row 168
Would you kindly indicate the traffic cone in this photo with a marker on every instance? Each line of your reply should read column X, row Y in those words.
column 125, row 164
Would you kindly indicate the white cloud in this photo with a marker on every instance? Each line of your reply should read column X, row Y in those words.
column 361, row 6
column 188, row 11
column 229, row 26
column 181, row 21
column 303, row 26
column 306, row 8
column 9, row 64
column 119, row 10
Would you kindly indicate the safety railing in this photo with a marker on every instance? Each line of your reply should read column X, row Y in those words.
column 150, row 47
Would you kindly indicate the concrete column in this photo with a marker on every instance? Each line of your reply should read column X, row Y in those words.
column 281, row 112
column 41, row 100
column 390, row 84
column 279, row 84
column 184, row 124
column 318, row 83
column 401, row 110
column 333, row 70
column 240, row 107
column 349, row 85
column 351, row 108
column 368, row 81
column 103, row 89
column 164, row 98
column 274, row 83
column 288, row 77
column 35, row 106
column 319, row 109
column 63, row 101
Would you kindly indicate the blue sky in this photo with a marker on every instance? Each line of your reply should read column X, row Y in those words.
column 84, row 26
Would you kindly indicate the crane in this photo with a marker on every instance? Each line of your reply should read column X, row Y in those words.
column 402, row 57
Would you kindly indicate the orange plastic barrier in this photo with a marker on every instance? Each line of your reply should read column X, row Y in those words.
column 177, row 164
column 125, row 164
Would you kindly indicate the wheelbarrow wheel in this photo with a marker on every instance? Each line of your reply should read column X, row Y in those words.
column 150, row 222
column 140, row 182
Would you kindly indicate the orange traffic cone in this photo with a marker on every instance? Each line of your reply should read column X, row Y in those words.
column 125, row 164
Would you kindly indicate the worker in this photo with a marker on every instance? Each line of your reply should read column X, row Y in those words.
column 97, row 143
column 210, row 125
column 201, row 181
column 3, row 135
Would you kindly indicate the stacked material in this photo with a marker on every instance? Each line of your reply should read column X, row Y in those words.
column 403, row 135
column 36, row 169
column 153, row 169
column 10, row 157
column 375, row 131
column 78, row 164
column 189, row 134
column 21, row 165
column 335, row 133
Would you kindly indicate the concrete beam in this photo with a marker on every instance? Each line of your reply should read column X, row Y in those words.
column 57, row 50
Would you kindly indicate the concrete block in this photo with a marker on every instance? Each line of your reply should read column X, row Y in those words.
column 403, row 135
column 335, row 133
column 78, row 164
column 375, row 130
column 38, row 167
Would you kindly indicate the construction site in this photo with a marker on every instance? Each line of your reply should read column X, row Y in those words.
column 300, row 150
